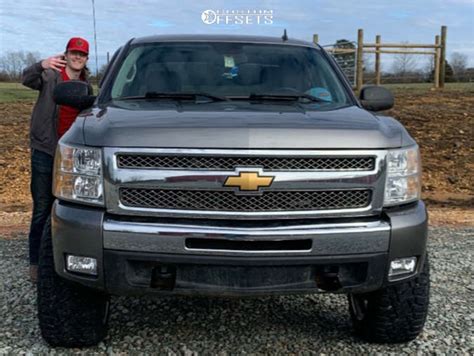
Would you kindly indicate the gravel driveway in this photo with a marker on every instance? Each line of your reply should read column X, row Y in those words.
column 290, row 324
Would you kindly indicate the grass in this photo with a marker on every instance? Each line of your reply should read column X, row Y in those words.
column 12, row 92
column 424, row 87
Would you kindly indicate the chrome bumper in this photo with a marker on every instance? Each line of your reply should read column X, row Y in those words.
column 326, row 239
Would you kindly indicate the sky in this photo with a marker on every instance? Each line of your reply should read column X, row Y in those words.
column 45, row 26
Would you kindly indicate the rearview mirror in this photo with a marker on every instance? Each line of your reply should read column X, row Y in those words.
column 73, row 93
column 376, row 98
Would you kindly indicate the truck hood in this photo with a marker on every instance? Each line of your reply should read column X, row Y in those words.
column 238, row 125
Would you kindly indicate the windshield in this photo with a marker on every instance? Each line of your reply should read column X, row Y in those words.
column 235, row 71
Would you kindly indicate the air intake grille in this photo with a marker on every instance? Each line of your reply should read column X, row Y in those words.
column 140, row 161
column 229, row 201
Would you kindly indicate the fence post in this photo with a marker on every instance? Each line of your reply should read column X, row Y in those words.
column 360, row 62
column 377, row 59
column 442, row 70
column 436, row 62
column 315, row 38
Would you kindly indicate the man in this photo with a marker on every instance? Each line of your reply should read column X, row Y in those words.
column 48, row 123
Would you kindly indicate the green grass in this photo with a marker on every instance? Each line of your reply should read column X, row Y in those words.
column 11, row 92
column 424, row 87
column 14, row 92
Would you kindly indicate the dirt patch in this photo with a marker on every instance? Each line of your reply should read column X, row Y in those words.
column 451, row 217
column 13, row 224
column 15, row 156
column 442, row 123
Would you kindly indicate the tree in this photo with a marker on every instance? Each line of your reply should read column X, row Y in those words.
column 448, row 72
column 428, row 69
column 31, row 58
column 369, row 63
column 459, row 64
column 13, row 63
column 404, row 64
column 102, row 70
column 100, row 74
column 4, row 77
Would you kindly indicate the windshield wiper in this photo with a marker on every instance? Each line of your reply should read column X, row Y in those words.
column 278, row 97
column 174, row 96
column 284, row 97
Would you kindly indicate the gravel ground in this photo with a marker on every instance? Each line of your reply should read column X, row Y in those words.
column 290, row 324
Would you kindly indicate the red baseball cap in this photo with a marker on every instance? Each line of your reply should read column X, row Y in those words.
column 78, row 44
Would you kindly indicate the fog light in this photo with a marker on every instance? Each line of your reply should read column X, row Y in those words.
column 402, row 266
column 87, row 265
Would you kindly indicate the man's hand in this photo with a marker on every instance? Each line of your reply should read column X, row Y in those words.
column 56, row 62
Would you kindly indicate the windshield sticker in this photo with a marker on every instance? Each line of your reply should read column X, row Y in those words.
column 229, row 62
column 320, row 93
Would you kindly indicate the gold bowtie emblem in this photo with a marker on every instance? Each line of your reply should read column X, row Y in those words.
column 249, row 181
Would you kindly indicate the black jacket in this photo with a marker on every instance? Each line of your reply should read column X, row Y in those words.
column 44, row 119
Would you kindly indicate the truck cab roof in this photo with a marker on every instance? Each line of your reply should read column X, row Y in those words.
column 222, row 38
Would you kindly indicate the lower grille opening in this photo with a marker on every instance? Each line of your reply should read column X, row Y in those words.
column 215, row 244
column 161, row 276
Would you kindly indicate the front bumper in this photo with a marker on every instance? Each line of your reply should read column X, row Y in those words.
column 170, row 256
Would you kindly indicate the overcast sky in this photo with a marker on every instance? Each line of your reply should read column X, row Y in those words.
column 46, row 25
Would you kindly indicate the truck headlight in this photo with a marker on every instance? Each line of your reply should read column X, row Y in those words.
column 403, row 182
column 78, row 174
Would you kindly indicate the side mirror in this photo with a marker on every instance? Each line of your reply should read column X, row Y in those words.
column 376, row 98
column 73, row 93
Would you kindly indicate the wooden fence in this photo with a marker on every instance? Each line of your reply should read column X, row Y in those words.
column 438, row 50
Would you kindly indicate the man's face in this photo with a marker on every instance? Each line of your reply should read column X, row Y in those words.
column 76, row 59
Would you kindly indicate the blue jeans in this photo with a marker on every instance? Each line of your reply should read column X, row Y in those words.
column 41, row 192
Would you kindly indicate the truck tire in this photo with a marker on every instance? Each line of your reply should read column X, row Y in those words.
column 393, row 314
column 69, row 315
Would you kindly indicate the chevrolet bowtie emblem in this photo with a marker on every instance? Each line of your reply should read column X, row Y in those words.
column 249, row 181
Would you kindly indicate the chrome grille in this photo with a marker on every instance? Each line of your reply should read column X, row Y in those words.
column 149, row 161
column 228, row 201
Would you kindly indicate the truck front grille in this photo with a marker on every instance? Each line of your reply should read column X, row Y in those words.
column 228, row 201
column 149, row 161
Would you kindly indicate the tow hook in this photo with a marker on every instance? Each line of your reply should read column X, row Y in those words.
column 163, row 277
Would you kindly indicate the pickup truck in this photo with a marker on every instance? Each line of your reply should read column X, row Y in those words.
column 232, row 166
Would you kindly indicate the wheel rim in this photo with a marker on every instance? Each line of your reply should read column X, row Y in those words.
column 359, row 306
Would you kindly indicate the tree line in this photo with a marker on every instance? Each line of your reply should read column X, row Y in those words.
column 12, row 64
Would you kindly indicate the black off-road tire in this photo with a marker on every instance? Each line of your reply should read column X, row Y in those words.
column 393, row 314
column 69, row 315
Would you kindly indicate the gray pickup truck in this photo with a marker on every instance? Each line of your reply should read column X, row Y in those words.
column 232, row 166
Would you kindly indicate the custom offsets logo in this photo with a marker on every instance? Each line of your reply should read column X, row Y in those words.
column 237, row 17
